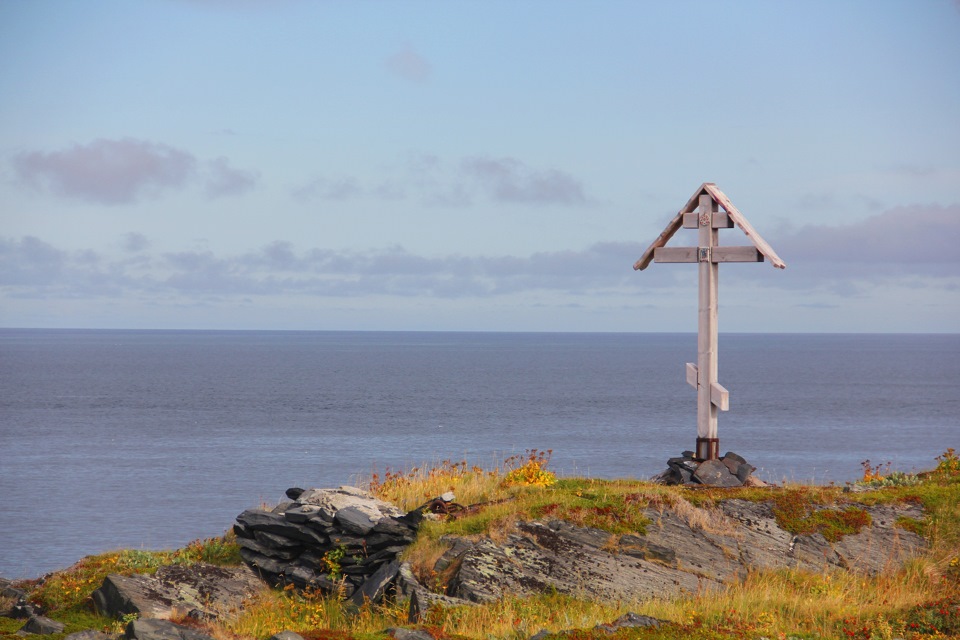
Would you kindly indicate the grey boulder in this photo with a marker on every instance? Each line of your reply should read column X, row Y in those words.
column 155, row 629
column 202, row 590
column 41, row 625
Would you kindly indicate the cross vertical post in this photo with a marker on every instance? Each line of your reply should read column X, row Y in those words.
column 708, row 445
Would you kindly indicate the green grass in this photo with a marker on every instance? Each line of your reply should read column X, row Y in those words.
column 70, row 589
column 797, row 511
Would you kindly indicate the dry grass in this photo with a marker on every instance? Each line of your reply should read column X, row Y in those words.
column 275, row 611
column 826, row 604
column 522, row 617
column 708, row 518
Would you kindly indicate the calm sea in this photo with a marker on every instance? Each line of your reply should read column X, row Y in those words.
column 149, row 439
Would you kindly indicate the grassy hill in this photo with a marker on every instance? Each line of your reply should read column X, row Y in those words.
column 918, row 599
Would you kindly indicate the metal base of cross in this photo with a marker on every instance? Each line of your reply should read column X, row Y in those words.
column 708, row 448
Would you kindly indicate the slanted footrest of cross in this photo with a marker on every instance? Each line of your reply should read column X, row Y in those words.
column 718, row 393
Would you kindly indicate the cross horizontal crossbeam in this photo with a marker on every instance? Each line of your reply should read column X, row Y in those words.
column 715, row 254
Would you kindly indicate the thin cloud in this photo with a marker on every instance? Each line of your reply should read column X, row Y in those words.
column 135, row 242
column 503, row 180
column 907, row 247
column 345, row 188
column 436, row 182
column 913, row 235
column 33, row 266
column 456, row 196
column 339, row 189
column 409, row 65
column 106, row 171
column 910, row 247
column 116, row 172
column 509, row 180
column 30, row 262
column 224, row 180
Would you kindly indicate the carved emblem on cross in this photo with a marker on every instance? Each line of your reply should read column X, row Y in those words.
column 708, row 210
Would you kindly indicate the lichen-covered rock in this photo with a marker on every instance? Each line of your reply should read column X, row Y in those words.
column 630, row 620
column 560, row 556
column 680, row 551
column 883, row 544
column 202, row 590
column 763, row 544
column 333, row 500
column 155, row 629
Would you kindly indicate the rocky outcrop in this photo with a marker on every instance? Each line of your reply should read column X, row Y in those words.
column 17, row 606
column 421, row 599
column 556, row 555
column 682, row 551
column 200, row 591
column 764, row 545
column 626, row 621
column 15, row 603
column 731, row 470
column 41, row 625
column 345, row 540
column 154, row 629
column 341, row 540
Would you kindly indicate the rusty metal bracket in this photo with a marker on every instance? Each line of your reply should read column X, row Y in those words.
column 708, row 448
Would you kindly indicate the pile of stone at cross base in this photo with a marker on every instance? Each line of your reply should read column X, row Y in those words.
column 340, row 540
column 730, row 470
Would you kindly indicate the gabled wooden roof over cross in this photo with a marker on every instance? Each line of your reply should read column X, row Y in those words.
column 708, row 210
column 726, row 219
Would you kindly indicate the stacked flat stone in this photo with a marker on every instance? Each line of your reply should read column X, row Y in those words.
column 730, row 470
column 340, row 540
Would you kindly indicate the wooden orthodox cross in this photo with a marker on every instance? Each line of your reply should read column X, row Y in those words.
column 703, row 212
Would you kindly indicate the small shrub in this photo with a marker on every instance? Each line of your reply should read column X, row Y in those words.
column 880, row 477
column 532, row 472
column 938, row 617
column 895, row 479
column 119, row 626
column 331, row 560
column 871, row 472
column 948, row 464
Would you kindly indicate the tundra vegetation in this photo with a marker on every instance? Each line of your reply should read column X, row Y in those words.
column 917, row 600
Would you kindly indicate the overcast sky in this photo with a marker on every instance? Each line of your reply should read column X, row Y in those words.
column 442, row 165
